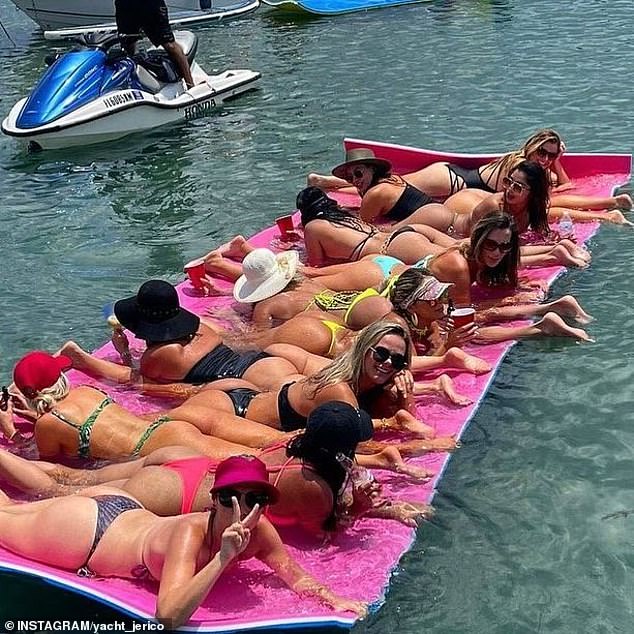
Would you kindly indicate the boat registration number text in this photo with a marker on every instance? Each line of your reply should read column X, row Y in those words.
column 122, row 98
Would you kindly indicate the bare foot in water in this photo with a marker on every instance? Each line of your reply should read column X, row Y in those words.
column 617, row 218
column 553, row 325
column 444, row 386
column 577, row 252
column 414, row 448
column 570, row 307
column 565, row 258
column 408, row 513
column 457, row 358
column 403, row 420
column 390, row 459
column 623, row 201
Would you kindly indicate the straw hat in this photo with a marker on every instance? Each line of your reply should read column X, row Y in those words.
column 360, row 156
column 264, row 274
column 154, row 313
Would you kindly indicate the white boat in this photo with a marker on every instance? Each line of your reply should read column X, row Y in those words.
column 89, row 95
column 80, row 16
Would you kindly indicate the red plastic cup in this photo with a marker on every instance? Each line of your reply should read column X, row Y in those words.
column 285, row 225
column 462, row 316
column 196, row 271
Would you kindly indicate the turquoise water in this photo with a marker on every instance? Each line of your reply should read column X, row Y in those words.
column 519, row 544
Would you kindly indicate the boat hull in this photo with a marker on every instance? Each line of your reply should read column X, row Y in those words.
column 54, row 15
column 128, row 111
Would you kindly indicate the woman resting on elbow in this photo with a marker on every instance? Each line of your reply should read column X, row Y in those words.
column 442, row 179
column 303, row 467
column 186, row 555
column 491, row 260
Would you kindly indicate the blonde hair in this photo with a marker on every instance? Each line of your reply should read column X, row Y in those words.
column 46, row 399
column 348, row 368
column 504, row 165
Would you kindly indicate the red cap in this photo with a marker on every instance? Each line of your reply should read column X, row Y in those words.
column 39, row 370
column 245, row 471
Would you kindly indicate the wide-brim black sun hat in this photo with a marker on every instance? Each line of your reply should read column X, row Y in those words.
column 154, row 313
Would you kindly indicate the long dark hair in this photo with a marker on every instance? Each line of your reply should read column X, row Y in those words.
column 538, row 199
column 333, row 429
column 505, row 273
column 328, row 468
column 314, row 204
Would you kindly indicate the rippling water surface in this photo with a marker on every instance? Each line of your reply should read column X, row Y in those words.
column 521, row 543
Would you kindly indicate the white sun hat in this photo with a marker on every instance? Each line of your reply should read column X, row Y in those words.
column 264, row 274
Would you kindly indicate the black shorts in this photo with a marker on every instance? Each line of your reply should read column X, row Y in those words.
column 149, row 16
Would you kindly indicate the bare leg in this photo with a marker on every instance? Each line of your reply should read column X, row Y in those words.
column 622, row 201
column 555, row 255
column 175, row 52
column 329, row 182
column 443, row 386
column 100, row 368
column 615, row 217
column 412, row 448
column 566, row 306
column 404, row 421
column 551, row 324
column 212, row 413
column 453, row 358
column 351, row 276
column 217, row 264
column 306, row 363
column 390, row 459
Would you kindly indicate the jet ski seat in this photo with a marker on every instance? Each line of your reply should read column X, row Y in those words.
column 155, row 68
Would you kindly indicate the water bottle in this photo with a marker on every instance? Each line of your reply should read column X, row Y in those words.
column 566, row 227
column 359, row 476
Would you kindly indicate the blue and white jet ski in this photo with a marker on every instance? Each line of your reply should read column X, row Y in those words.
column 98, row 93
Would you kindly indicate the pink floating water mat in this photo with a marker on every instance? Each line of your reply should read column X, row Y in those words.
column 357, row 562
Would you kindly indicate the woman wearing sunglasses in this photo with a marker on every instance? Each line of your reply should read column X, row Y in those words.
column 490, row 261
column 442, row 179
column 113, row 535
column 86, row 423
column 332, row 234
column 386, row 198
column 288, row 408
column 333, row 318
column 525, row 196
column 306, row 469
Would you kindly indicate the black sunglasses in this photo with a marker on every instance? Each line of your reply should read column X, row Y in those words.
column 381, row 355
column 251, row 498
column 544, row 153
column 491, row 245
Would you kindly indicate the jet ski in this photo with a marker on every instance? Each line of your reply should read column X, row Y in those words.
column 96, row 92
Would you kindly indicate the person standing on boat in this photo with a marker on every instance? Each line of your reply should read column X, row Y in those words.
column 152, row 18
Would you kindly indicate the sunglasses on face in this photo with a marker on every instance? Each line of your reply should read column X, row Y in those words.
column 544, row 153
column 356, row 173
column 513, row 185
column 381, row 355
column 491, row 245
column 251, row 498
